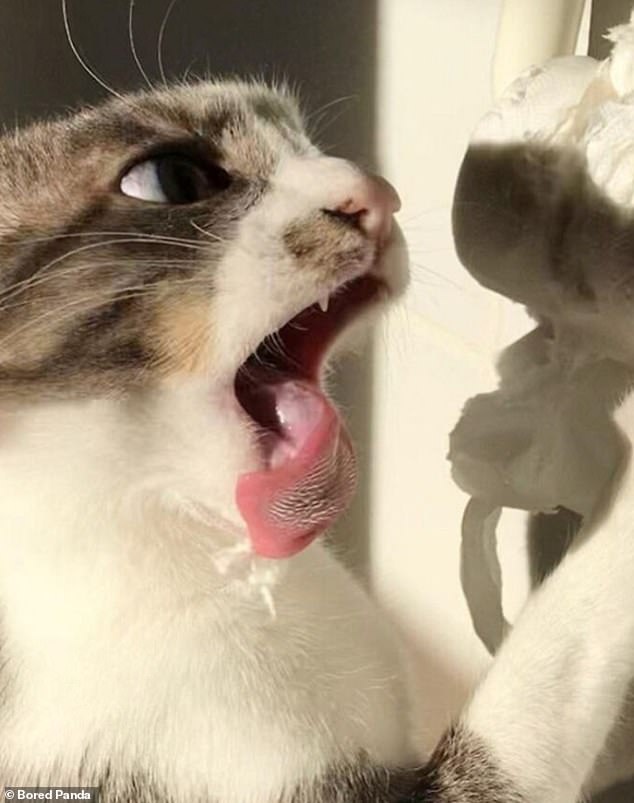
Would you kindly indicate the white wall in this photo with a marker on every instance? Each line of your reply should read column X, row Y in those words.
column 438, row 348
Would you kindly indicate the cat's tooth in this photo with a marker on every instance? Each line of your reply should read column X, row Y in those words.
column 323, row 302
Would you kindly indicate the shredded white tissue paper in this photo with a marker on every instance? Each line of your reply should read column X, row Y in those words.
column 544, row 213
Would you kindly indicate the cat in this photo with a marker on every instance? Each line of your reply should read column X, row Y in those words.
column 177, row 266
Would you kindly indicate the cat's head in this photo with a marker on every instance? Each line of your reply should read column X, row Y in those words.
column 175, row 267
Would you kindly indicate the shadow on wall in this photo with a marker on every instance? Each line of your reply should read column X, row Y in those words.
column 326, row 49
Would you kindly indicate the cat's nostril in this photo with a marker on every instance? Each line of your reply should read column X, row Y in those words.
column 369, row 207
column 351, row 218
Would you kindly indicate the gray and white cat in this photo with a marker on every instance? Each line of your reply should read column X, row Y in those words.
column 176, row 267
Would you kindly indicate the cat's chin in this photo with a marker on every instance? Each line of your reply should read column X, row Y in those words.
column 307, row 474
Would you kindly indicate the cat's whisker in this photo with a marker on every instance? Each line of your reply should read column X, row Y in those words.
column 206, row 233
column 414, row 216
column 420, row 268
column 133, row 49
column 82, row 61
column 323, row 123
column 77, row 268
column 36, row 278
column 188, row 71
column 159, row 239
column 125, row 293
column 28, row 284
column 316, row 116
column 160, row 41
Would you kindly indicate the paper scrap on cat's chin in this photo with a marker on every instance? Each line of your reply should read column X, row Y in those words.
column 253, row 576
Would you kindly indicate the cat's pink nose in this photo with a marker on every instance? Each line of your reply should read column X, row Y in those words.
column 370, row 204
column 340, row 188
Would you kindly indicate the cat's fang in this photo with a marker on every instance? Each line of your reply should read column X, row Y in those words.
column 297, row 351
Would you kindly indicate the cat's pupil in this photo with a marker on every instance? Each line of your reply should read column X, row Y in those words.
column 185, row 182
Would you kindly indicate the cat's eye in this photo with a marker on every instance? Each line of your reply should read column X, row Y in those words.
column 174, row 179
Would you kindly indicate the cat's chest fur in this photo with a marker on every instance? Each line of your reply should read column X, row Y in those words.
column 203, row 690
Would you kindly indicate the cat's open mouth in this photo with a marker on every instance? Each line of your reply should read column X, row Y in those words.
column 309, row 471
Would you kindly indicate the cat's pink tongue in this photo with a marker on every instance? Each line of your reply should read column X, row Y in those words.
column 310, row 477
